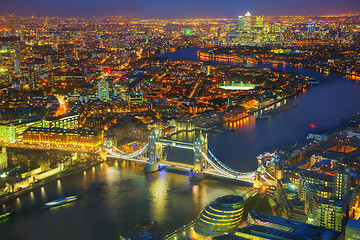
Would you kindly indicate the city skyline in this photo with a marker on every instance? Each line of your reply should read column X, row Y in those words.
column 245, row 126
column 163, row 9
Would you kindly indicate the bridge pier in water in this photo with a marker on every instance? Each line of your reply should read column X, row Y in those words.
column 200, row 149
column 156, row 153
column 102, row 154
column 152, row 165
column 205, row 163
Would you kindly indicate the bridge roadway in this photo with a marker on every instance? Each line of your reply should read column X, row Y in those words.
column 219, row 170
column 247, row 177
column 175, row 143
column 187, row 168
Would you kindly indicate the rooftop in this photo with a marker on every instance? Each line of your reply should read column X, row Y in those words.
column 23, row 121
column 61, row 130
column 62, row 116
column 352, row 223
column 280, row 228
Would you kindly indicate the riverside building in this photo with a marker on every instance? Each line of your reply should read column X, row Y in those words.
column 326, row 198
column 224, row 215
column 63, row 137
column 264, row 226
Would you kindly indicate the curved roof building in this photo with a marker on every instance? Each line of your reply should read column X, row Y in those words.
column 224, row 215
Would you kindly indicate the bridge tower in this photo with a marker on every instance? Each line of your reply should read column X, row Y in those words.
column 200, row 151
column 102, row 154
column 152, row 165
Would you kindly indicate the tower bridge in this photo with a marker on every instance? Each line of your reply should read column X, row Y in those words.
column 204, row 161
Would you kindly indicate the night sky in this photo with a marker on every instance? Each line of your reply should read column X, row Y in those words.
column 176, row 8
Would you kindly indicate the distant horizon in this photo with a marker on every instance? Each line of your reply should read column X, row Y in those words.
column 167, row 9
column 168, row 18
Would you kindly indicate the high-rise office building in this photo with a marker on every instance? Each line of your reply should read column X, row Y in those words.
column 32, row 80
column 314, row 178
column 17, row 65
column 48, row 61
column 325, row 198
column 77, row 55
column 259, row 24
column 342, row 184
column 103, row 89
column 247, row 21
column 289, row 200
column 21, row 34
column 275, row 27
column 330, row 213
column 241, row 26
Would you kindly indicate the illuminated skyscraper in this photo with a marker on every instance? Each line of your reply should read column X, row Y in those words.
column 17, row 65
column 247, row 21
column 21, row 34
column 103, row 89
column 241, row 23
column 31, row 79
column 259, row 24
column 77, row 55
column 275, row 27
column 48, row 61
column 342, row 184
column 330, row 213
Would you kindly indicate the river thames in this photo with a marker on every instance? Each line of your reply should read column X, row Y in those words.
column 115, row 197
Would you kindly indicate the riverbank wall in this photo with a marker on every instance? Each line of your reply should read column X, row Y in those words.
column 47, row 181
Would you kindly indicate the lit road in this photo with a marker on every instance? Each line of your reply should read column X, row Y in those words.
column 196, row 89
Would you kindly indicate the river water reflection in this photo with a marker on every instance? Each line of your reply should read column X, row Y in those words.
column 113, row 199
column 334, row 99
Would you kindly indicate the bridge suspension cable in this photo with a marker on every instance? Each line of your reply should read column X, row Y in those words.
column 224, row 167
column 220, row 168
column 130, row 156
column 215, row 166
column 225, row 170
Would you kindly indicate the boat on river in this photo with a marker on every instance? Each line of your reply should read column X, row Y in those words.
column 312, row 81
column 5, row 214
column 60, row 201
column 145, row 225
column 262, row 117
column 279, row 109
